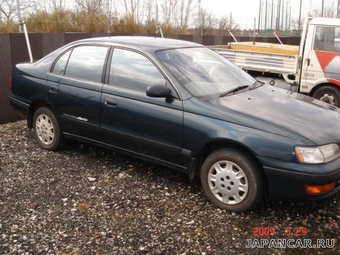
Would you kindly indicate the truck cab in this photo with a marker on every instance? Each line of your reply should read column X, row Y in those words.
column 321, row 60
column 312, row 68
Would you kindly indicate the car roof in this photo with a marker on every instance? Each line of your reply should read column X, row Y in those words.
column 141, row 42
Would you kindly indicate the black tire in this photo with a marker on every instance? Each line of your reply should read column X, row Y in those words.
column 328, row 94
column 46, row 129
column 238, row 186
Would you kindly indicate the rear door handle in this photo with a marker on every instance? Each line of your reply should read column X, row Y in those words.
column 110, row 102
column 52, row 89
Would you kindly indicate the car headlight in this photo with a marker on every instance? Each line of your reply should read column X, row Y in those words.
column 316, row 155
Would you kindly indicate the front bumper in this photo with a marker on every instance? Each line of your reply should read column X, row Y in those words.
column 287, row 179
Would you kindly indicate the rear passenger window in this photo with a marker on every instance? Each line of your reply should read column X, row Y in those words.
column 60, row 65
column 87, row 62
column 134, row 71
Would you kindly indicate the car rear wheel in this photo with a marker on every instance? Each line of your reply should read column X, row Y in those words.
column 232, row 180
column 46, row 129
column 328, row 94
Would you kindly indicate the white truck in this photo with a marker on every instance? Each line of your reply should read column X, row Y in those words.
column 313, row 68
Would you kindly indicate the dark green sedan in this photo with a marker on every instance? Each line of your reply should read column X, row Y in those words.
column 181, row 105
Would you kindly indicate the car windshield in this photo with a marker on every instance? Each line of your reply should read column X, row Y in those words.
column 204, row 72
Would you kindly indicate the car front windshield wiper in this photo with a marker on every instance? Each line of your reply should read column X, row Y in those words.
column 234, row 90
column 256, row 84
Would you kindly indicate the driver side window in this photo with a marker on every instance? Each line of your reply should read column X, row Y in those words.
column 133, row 71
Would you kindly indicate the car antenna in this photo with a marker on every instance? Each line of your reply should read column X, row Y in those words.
column 27, row 41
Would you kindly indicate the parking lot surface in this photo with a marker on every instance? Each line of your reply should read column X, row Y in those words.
column 87, row 200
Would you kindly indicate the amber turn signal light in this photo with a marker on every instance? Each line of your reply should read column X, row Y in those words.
column 319, row 189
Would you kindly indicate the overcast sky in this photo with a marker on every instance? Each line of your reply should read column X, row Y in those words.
column 244, row 11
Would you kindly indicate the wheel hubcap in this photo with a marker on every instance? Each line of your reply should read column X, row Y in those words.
column 328, row 98
column 228, row 182
column 45, row 130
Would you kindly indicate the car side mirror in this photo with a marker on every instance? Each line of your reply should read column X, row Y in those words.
column 158, row 91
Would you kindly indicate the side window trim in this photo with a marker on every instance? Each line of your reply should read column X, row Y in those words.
column 108, row 65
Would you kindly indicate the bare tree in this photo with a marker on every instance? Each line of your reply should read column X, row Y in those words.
column 329, row 12
column 134, row 9
column 185, row 9
column 205, row 22
column 177, row 13
column 49, row 6
column 210, row 24
column 8, row 9
column 225, row 25
column 168, row 10
column 150, row 10
column 151, row 16
column 58, row 5
column 114, row 7
column 295, row 26
column 38, row 6
column 91, row 6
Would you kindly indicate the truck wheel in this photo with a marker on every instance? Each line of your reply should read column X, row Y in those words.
column 328, row 94
column 46, row 129
column 232, row 180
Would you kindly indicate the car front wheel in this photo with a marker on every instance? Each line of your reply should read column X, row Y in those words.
column 46, row 129
column 232, row 180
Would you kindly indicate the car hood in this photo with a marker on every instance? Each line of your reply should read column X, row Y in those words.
column 311, row 118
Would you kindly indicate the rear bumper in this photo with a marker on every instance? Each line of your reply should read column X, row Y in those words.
column 19, row 104
column 288, row 179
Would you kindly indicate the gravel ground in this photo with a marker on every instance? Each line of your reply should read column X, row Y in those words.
column 87, row 200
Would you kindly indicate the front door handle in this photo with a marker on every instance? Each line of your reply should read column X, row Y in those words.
column 110, row 102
